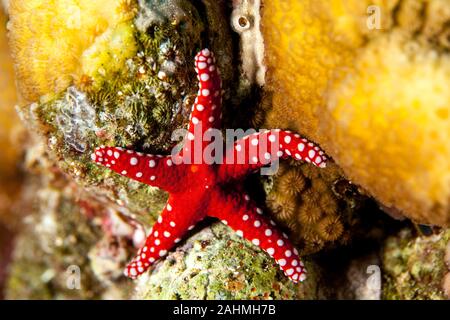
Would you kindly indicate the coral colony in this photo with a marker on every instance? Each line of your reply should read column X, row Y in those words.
column 200, row 187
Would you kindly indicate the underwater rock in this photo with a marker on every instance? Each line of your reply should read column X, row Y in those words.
column 368, row 81
column 108, row 258
column 416, row 266
column 53, row 240
column 59, row 225
column 217, row 264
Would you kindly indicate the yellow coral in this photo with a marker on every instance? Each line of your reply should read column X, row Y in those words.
column 8, row 99
column 396, row 143
column 48, row 39
column 308, row 214
column 9, row 131
column 377, row 100
column 108, row 53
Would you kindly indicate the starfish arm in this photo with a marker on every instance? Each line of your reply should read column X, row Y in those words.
column 206, row 111
column 157, row 171
column 242, row 215
column 175, row 220
column 207, row 106
column 260, row 149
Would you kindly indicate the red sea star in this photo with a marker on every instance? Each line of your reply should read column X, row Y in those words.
column 199, row 190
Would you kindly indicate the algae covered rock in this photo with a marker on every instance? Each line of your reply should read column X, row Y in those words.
column 55, row 237
column 417, row 267
column 216, row 264
column 51, row 260
column 368, row 81
column 61, row 225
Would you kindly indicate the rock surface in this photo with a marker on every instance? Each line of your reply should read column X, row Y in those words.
column 417, row 267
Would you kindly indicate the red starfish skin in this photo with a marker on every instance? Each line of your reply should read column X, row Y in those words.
column 198, row 190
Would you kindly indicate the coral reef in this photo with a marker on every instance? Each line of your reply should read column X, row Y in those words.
column 58, row 226
column 416, row 266
column 368, row 81
column 135, row 101
column 217, row 264
column 68, row 246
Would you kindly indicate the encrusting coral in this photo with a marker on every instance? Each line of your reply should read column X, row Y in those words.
column 56, row 34
column 8, row 99
column 368, row 80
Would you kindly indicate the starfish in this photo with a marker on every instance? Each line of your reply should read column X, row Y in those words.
column 202, row 189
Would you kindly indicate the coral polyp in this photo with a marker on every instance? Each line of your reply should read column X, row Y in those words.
column 330, row 228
